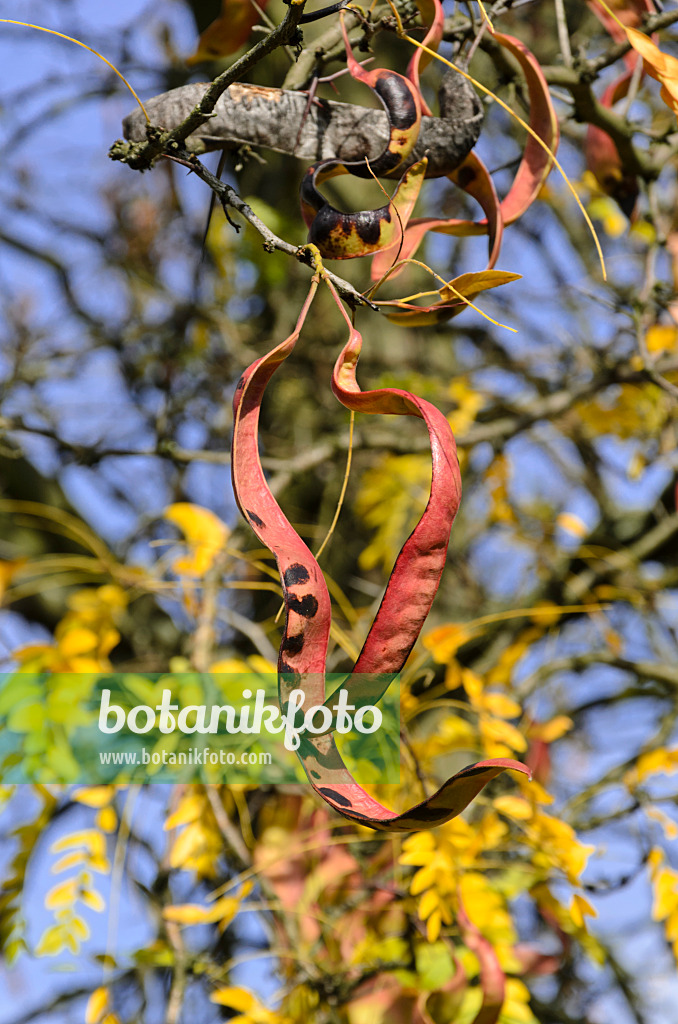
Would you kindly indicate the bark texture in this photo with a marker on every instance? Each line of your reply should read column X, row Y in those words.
column 272, row 119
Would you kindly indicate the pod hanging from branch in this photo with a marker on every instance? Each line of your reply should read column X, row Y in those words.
column 407, row 600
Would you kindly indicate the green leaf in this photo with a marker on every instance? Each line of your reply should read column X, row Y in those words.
column 434, row 964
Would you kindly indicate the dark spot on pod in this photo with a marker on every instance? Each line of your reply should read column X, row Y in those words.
column 396, row 95
column 296, row 573
column 424, row 813
column 464, row 176
column 316, row 775
column 338, row 798
column 331, row 226
column 473, row 770
column 292, row 678
column 241, row 383
column 368, row 224
column 254, row 518
column 292, row 644
column 306, row 606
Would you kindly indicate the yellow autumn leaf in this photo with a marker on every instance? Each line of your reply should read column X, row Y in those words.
column 473, row 685
column 580, row 909
column 190, row 808
column 228, row 32
column 487, row 908
column 536, row 792
column 606, row 210
column 516, row 1007
column 69, row 860
column 546, row 614
column 661, row 338
column 94, row 796
column 222, row 911
column 189, row 843
column 654, row 762
column 79, row 929
column 62, row 895
column 660, row 66
column 555, row 844
column 229, row 666
column 78, row 641
column 427, row 904
column 106, row 819
column 501, row 705
column 572, row 524
column 665, row 894
column 393, row 492
column 514, row 806
column 205, row 535
column 433, row 926
column 188, row 913
column 445, row 641
column 418, row 849
column 233, row 997
column 655, row 859
column 90, row 838
column 498, row 731
column 93, row 899
column 468, row 402
column 97, row 1005
column 472, row 284
column 551, row 731
column 100, row 864
column 52, row 941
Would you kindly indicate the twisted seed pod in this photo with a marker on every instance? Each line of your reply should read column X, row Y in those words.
column 348, row 235
column 408, row 596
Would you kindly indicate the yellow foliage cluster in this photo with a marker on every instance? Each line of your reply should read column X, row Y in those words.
column 498, row 736
column 98, row 1010
column 101, row 798
column 205, row 537
column 468, row 402
column 199, row 843
column 221, row 912
column 660, row 66
column 393, row 494
column 628, row 410
column 660, row 761
column 661, row 338
column 553, row 842
column 665, row 906
column 86, row 851
column 250, row 1009
column 570, row 919
column 85, row 636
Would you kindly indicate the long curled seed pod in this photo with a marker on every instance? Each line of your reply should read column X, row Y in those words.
column 408, row 596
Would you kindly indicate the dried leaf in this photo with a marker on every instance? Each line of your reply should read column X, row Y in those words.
column 228, row 32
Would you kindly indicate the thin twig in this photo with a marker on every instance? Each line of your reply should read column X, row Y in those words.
column 229, row 198
column 563, row 34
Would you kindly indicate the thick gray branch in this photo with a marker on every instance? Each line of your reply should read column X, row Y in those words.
column 272, row 119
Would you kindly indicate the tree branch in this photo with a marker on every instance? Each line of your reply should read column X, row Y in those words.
column 140, row 156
